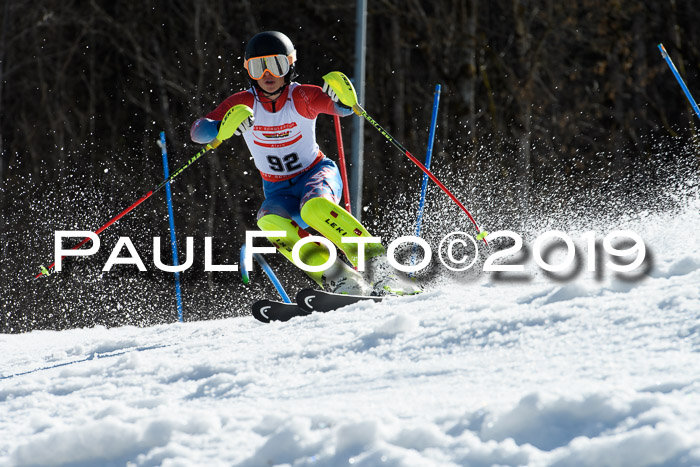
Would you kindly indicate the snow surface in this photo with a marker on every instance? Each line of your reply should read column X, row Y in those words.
column 589, row 371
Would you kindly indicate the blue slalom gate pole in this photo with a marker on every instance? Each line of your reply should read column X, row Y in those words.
column 268, row 271
column 428, row 157
column 173, row 243
column 666, row 57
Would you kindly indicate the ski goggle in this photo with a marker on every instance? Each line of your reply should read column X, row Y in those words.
column 277, row 65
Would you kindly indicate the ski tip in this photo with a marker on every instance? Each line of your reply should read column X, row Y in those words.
column 261, row 309
column 267, row 311
column 260, row 317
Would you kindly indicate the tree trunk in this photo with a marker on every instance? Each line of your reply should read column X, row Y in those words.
column 524, row 105
column 3, row 159
column 397, row 81
column 471, row 51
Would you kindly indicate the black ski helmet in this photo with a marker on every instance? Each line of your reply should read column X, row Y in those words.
column 272, row 43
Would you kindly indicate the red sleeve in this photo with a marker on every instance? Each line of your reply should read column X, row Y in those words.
column 243, row 97
column 310, row 100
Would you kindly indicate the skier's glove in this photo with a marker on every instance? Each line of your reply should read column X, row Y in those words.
column 334, row 97
column 329, row 90
column 245, row 125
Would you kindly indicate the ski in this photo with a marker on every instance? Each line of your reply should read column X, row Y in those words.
column 270, row 310
column 318, row 300
column 308, row 301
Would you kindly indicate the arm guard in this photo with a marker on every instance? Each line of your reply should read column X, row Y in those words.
column 204, row 130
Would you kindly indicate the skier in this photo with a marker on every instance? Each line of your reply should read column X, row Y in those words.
column 302, row 186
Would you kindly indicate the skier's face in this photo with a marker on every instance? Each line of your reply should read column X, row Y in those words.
column 269, row 83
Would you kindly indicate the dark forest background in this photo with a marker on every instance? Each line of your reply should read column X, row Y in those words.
column 542, row 102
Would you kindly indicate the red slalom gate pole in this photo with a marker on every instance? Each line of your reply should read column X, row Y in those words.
column 343, row 167
column 341, row 161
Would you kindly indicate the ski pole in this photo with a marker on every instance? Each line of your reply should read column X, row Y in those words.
column 341, row 162
column 666, row 57
column 233, row 118
column 212, row 145
column 362, row 113
column 345, row 91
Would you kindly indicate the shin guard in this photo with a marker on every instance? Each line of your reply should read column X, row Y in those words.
column 312, row 253
column 335, row 223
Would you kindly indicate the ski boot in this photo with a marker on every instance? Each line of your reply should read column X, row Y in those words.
column 387, row 280
column 342, row 279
